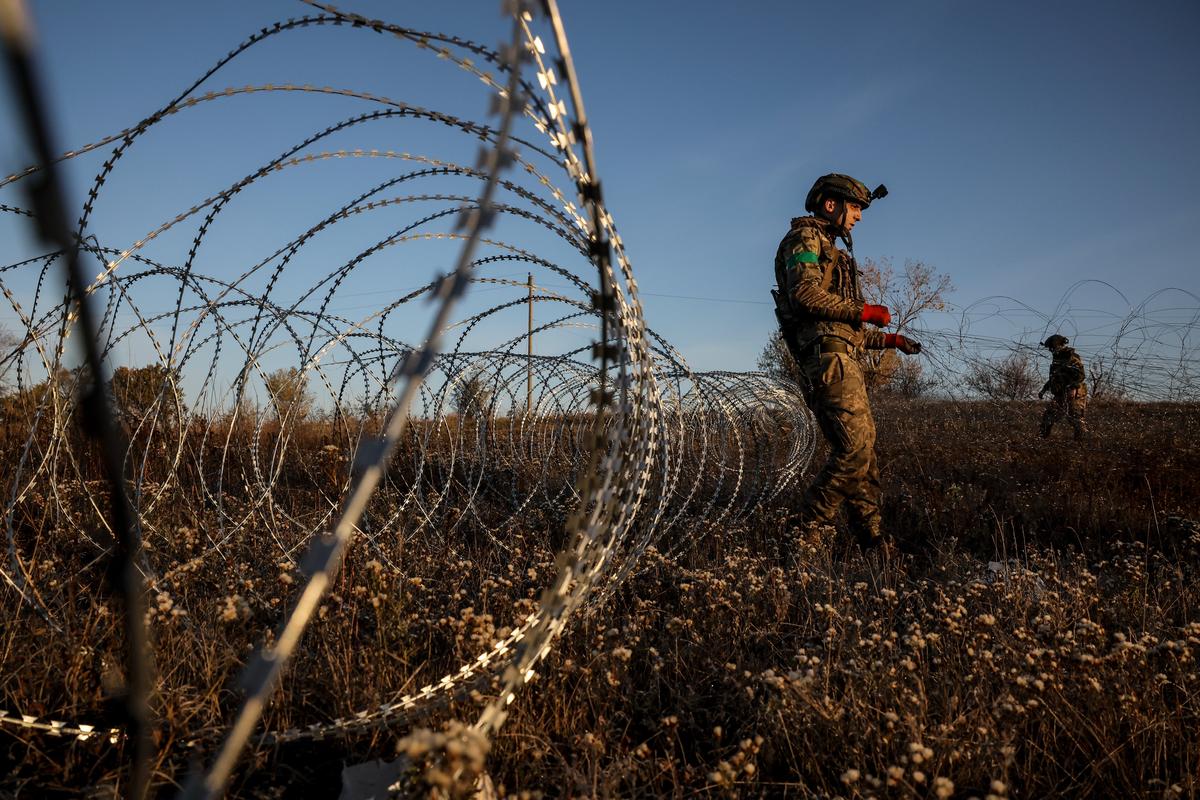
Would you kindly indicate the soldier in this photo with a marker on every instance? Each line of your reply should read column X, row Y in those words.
column 1067, row 384
column 822, row 317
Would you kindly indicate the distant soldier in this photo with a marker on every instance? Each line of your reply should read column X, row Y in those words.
column 1067, row 384
column 822, row 317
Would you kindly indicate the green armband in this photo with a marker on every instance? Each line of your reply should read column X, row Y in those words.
column 805, row 257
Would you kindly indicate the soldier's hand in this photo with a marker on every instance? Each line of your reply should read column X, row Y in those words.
column 876, row 315
column 902, row 343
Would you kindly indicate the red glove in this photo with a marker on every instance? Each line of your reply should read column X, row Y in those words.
column 876, row 315
column 901, row 343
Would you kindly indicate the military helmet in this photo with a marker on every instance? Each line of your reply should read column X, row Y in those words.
column 843, row 186
column 1055, row 341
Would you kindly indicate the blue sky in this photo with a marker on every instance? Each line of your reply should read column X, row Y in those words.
column 1027, row 146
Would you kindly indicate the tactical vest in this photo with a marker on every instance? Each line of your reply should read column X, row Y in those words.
column 839, row 277
column 1067, row 372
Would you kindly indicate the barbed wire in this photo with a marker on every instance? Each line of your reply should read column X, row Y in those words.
column 614, row 429
column 1131, row 350
column 426, row 431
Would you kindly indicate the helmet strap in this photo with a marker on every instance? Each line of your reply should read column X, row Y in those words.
column 839, row 222
column 837, row 217
column 840, row 219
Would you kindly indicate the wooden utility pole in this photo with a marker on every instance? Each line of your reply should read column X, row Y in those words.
column 529, row 357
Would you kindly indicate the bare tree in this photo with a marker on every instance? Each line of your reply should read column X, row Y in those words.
column 776, row 361
column 1013, row 377
column 288, row 391
column 919, row 288
column 62, row 389
column 1106, row 381
column 908, row 380
column 9, row 342
column 138, row 391
column 472, row 397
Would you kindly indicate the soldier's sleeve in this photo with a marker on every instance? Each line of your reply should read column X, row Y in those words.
column 805, row 276
column 1057, row 378
column 1075, row 373
column 873, row 339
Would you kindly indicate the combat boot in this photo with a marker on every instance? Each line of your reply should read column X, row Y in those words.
column 871, row 540
column 867, row 530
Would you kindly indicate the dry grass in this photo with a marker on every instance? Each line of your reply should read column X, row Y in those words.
column 745, row 667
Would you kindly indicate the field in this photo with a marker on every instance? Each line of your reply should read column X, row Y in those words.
column 1038, row 636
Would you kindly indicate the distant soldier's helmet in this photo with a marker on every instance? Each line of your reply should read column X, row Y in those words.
column 1055, row 341
column 844, row 187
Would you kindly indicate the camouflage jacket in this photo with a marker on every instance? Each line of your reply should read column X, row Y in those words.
column 1066, row 371
column 819, row 294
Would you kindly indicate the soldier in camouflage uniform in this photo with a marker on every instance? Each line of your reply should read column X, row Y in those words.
column 822, row 317
column 1067, row 384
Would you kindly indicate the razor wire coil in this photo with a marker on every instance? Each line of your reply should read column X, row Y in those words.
column 618, row 434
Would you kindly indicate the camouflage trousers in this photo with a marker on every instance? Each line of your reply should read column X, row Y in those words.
column 1071, row 404
column 837, row 395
